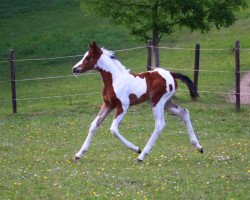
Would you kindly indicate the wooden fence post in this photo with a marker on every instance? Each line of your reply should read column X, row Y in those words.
column 196, row 64
column 149, row 58
column 13, row 81
column 237, row 75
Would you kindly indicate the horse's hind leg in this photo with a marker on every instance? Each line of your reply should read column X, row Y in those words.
column 104, row 111
column 183, row 114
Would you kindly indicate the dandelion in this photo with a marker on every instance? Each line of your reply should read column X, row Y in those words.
column 17, row 183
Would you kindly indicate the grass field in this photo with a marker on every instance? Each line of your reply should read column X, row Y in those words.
column 37, row 144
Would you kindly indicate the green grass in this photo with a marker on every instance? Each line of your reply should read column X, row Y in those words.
column 37, row 144
column 36, row 151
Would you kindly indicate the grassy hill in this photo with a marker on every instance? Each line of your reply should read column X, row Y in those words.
column 52, row 28
column 37, row 144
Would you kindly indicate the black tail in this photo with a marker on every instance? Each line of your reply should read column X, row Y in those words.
column 191, row 86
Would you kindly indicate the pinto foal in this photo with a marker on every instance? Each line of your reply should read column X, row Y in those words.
column 122, row 89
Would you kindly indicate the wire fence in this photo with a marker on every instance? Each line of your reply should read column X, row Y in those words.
column 65, row 57
column 53, row 97
column 122, row 50
column 119, row 50
column 136, row 68
column 95, row 92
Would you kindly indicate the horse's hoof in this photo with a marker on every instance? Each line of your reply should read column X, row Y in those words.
column 139, row 151
column 138, row 160
column 76, row 159
column 201, row 150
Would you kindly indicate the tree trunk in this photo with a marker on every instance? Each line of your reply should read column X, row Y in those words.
column 155, row 34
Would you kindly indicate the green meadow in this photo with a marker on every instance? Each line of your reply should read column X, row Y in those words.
column 54, row 114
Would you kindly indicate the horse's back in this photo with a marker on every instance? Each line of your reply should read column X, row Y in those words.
column 161, row 76
column 160, row 84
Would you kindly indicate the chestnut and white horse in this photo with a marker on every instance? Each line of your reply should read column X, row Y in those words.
column 122, row 89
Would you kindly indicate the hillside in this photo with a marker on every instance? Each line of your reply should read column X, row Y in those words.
column 52, row 28
column 56, row 28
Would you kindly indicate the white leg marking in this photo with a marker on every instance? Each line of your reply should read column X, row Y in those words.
column 105, row 110
column 159, row 125
column 183, row 114
column 115, row 131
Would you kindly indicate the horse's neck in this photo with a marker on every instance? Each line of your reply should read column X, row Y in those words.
column 111, row 69
column 108, row 77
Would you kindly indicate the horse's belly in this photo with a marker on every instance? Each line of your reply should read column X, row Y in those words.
column 131, row 90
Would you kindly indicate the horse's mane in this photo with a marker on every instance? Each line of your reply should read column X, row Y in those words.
column 112, row 55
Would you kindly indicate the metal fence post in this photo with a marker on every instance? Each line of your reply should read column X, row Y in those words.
column 13, row 81
column 196, row 64
column 237, row 75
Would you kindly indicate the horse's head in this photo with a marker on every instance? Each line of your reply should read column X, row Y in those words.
column 89, row 60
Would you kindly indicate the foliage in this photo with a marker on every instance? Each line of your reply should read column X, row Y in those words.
column 144, row 17
column 153, row 18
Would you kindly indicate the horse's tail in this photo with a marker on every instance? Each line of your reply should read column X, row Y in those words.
column 191, row 86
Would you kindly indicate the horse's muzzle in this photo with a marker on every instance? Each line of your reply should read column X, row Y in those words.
column 76, row 71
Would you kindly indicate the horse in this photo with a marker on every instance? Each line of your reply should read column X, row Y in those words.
column 122, row 89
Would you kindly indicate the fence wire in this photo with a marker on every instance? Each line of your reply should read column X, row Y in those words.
column 95, row 73
column 201, row 49
column 92, row 93
column 51, row 97
column 127, row 49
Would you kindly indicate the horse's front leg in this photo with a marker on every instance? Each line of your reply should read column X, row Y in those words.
column 159, row 126
column 114, row 129
column 104, row 111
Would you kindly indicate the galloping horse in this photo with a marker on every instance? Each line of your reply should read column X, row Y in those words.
column 121, row 89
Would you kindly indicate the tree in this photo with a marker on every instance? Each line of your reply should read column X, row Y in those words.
column 153, row 18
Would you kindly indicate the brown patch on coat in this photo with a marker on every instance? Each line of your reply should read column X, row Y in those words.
column 135, row 100
column 108, row 93
column 156, row 87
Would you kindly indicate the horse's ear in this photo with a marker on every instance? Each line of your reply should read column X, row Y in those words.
column 90, row 46
column 94, row 45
